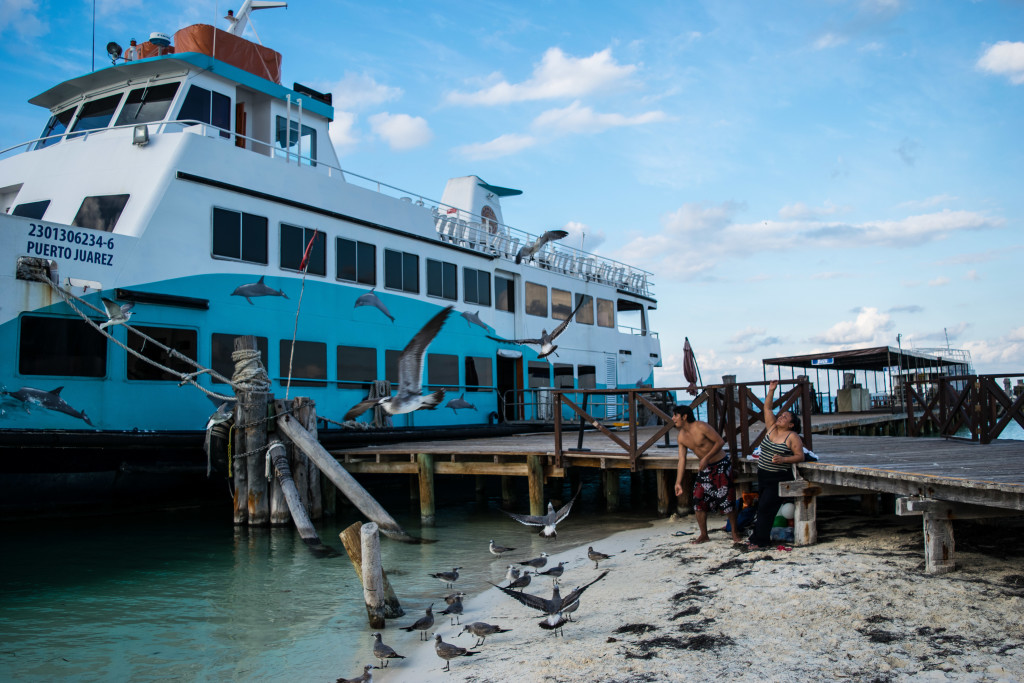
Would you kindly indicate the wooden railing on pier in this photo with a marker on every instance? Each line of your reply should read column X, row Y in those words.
column 732, row 410
column 975, row 402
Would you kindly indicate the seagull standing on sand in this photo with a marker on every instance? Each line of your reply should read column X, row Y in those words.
column 117, row 314
column 410, row 376
column 454, row 609
column 547, row 341
column 498, row 549
column 512, row 573
column 535, row 562
column 548, row 521
column 422, row 624
column 554, row 572
column 481, row 630
column 596, row 556
column 521, row 582
column 367, row 677
column 457, row 596
column 447, row 578
column 448, row 652
column 382, row 651
column 531, row 250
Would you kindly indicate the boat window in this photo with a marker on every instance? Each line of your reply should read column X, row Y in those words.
column 401, row 271
column 96, row 113
column 101, row 212
column 391, row 365
column 147, row 104
column 539, row 374
column 356, row 261
column 561, row 304
column 504, row 294
column 308, row 140
column 239, row 236
column 442, row 370
column 221, row 348
column 563, row 376
column 479, row 375
column 588, row 376
column 477, row 286
column 585, row 316
column 442, row 280
column 294, row 241
column 203, row 106
column 536, row 299
column 605, row 313
column 181, row 340
column 61, row 346
column 631, row 315
column 356, row 364
column 55, row 127
column 308, row 364
column 31, row 209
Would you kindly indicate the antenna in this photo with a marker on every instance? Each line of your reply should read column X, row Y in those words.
column 242, row 18
column 945, row 332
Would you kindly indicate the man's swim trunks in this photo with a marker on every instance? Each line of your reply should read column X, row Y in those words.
column 713, row 491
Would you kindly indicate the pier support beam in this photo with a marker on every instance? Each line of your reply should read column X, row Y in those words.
column 535, row 479
column 425, row 462
column 508, row 492
column 938, row 516
column 661, row 483
column 352, row 539
column 610, row 479
column 252, row 416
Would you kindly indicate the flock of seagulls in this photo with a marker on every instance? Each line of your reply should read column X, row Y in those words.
column 556, row 610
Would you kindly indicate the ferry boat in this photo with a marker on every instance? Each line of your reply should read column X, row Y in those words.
column 192, row 184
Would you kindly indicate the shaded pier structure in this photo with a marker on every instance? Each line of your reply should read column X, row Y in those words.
column 940, row 479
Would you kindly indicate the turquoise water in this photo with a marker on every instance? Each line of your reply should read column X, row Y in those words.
column 186, row 596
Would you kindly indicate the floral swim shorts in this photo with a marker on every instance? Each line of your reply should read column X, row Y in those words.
column 713, row 491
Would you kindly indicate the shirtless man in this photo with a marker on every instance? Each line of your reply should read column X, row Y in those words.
column 713, row 489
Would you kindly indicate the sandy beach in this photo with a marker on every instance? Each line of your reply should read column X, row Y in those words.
column 856, row 606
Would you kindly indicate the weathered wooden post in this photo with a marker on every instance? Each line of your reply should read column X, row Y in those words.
column 535, row 480
column 280, row 515
column 508, row 492
column 279, row 456
column 425, row 462
column 661, row 483
column 352, row 539
column 252, row 416
column 373, row 578
column 611, row 489
column 304, row 410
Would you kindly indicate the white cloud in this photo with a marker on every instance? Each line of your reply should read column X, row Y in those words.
column 1005, row 59
column 21, row 16
column 579, row 119
column 829, row 40
column 583, row 236
column 342, row 131
column 996, row 355
column 927, row 203
column 938, row 282
column 972, row 275
column 557, row 76
column 869, row 326
column 498, row 147
column 910, row 308
column 401, row 131
column 359, row 91
column 800, row 211
column 1016, row 335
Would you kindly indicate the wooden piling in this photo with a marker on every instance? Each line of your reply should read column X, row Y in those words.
column 351, row 539
column 425, row 462
column 661, row 483
column 279, row 456
column 535, row 480
column 373, row 577
column 304, row 410
column 610, row 480
column 280, row 515
column 239, row 471
column 252, row 416
column 508, row 492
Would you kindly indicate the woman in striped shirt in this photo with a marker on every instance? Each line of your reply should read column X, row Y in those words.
column 781, row 447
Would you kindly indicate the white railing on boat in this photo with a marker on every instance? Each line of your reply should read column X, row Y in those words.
column 454, row 225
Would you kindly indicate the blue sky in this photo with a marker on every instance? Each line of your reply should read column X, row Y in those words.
column 799, row 176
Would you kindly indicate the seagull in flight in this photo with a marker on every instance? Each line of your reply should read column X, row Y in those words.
column 553, row 607
column 530, row 250
column 546, row 341
column 548, row 521
column 117, row 314
column 410, row 395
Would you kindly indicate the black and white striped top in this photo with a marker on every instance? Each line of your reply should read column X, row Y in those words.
column 769, row 449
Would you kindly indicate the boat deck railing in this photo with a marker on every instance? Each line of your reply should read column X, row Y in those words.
column 454, row 225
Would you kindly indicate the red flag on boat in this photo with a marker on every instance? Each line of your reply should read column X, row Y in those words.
column 305, row 255
column 451, row 210
column 690, row 371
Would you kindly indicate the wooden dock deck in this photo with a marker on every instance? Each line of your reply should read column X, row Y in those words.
column 939, row 479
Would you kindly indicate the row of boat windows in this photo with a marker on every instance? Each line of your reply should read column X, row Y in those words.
column 152, row 102
column 242, row 236
column 71, row 348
